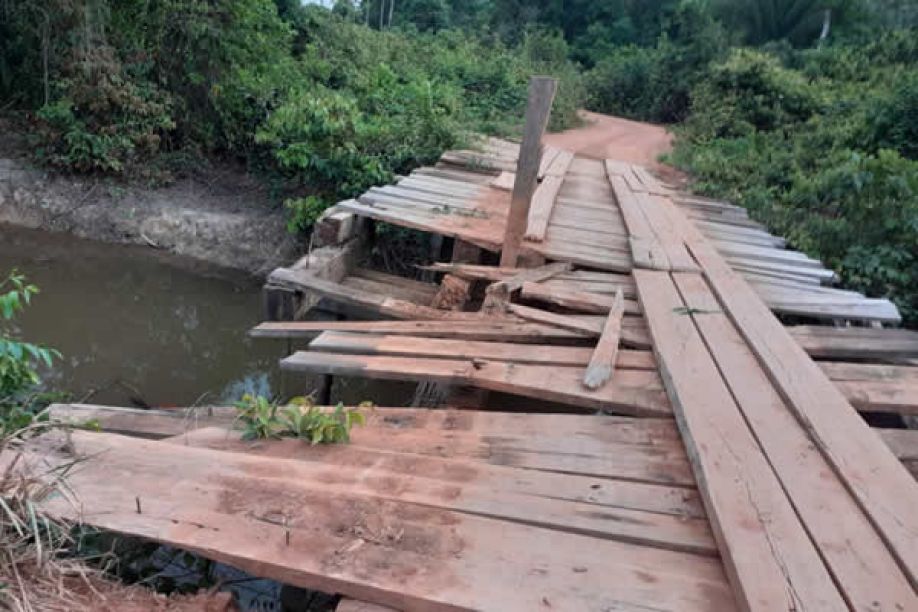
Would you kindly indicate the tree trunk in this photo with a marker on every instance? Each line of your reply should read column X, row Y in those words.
column 382, row 13
column 391, row 10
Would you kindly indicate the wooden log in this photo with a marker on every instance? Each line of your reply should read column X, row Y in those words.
column 605, row 355
column 541, row 95
column 770, row 561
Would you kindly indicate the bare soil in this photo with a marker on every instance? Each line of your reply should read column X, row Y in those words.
column 220, row 215
column 604, row 136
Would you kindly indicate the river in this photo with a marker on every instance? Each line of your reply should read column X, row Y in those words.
column 136, row 326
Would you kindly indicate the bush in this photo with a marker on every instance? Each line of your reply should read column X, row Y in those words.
column 750, row 92
column 654, row 83
column 893, row 119
column 820, row 154
column 102, row 119
column 18, row 360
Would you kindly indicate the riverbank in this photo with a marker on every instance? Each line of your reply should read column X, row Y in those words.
column 226, row 218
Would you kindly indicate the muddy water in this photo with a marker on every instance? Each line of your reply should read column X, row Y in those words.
column 136, row 326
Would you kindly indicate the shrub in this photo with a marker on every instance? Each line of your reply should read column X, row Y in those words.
column 750, row 92
column 893, row 119
column 19, row 360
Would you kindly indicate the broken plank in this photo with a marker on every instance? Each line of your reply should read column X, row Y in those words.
column 372, row 344
column 497, row 295
column 633, row 392
column 605, row 355
column 591, row 326
column 577, row 300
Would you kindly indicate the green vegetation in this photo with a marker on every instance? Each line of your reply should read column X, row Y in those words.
column 802, row 110
column 263, row 419
column 20, row 399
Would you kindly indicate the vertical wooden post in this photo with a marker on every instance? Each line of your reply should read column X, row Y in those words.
column 541, row 95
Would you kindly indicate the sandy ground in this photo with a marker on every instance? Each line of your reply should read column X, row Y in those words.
column 604, row 136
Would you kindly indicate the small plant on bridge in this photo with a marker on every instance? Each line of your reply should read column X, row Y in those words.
column 264, row 419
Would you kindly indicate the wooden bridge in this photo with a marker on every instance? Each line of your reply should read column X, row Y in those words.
column 624, row 421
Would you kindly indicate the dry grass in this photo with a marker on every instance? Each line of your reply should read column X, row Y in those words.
column 38, row 569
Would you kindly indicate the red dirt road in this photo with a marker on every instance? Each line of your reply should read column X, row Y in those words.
column 604, row 136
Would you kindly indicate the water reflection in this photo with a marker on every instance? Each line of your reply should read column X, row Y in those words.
column 137, row 326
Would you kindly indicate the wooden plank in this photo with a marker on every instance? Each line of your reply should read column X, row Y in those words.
column 543, row 200
column 474, row 489
column 769, row 559
column 146, row 423
column 605, row 355
column 631, row 337
column 382, row 304
column 354, row 605
column 632, row 392
column 900, row 397
column 497, row 295
column 577, row 300
column 869, row 372
column 863, row 569
column 373, row 344
column 541, row 95
column 645, row 250
column 856, row 342
column 491, row 330
column 882, row 487
column 659, row 213
column 274, row 521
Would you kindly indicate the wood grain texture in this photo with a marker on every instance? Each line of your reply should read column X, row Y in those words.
column 768, row 556
column 605, row 355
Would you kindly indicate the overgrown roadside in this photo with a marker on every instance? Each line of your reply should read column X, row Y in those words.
column 221, row 215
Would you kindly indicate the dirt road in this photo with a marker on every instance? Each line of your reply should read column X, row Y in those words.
column 605, row 136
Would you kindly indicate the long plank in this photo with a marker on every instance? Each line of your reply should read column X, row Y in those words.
column 475, row 490
column 633, row 392
column 494, row 330
column 577, row 300
column 605, row 355
column 769, row 559
column 632, row 338
column 881, row 485
column 267, row 517
column 543, row 200
column 465, row 463
column 646, row 251
column 863, row 569
column 856, row 342
column 373, row 344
